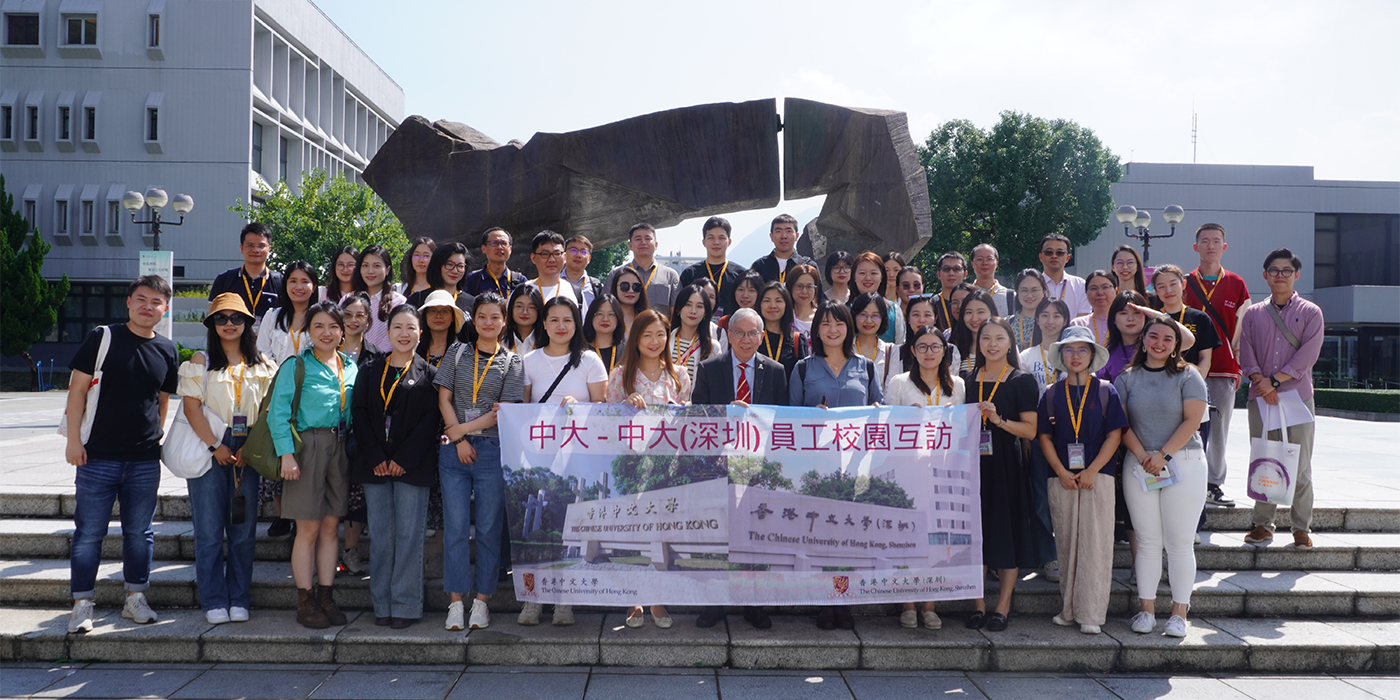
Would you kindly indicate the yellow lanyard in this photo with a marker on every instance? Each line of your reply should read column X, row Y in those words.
column 873, row 355
column 501, row 288
column 947, row 317
column 768, row 344
column 1063, row 284
column 296, row 343
column 612, row 358
column 1202, row 280
column 782, row 273
column 238, row 387
column 996, row 386
column 557, row 289
column 1181, row 318
column 389, row 396
column 1049, row 378
column 718, row 282
column 689, row 350
column 1077, row 420
column 340, row 375
column 476, row 362
column 937, row 391
column 252, row 300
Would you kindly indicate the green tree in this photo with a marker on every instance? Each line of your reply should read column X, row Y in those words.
column 28, row 302
column 760, row 472
column 863, row 489
column 323, row 216
column 1009, row 186
column 642, row 473
column 605, row 259
column 521, row 483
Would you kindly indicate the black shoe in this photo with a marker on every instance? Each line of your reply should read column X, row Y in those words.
column 844, row 619
column 826, row 619
column 709, row 617
column 399, row 623
column 1216, row 497
column 997, row 623
column 280, row 527
column 755, row 616
column 977, row 620
column 383, row 621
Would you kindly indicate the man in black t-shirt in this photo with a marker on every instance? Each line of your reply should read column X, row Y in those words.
column 258, row 286
column 717, row 267
column 784, row 234
column 120, row 458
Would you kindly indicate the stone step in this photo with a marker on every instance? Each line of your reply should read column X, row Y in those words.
column 1032, row 644
column 173, row 504
column 43, row 538
column 45, row 582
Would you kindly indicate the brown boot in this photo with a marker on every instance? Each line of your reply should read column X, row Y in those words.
column 309, row 613
column 327, row 603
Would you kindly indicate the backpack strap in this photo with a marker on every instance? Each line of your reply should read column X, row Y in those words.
column 1051, row 403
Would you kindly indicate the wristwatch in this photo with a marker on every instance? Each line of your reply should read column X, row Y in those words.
column 1166, row 457
column 213, row 448
column 1275, row 382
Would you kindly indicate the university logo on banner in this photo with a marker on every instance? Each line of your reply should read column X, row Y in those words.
column 716, row 505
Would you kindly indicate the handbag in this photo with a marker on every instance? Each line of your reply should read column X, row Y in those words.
column 94, row 391
column 1273, row 466
column 184, row 452
column 259, row 452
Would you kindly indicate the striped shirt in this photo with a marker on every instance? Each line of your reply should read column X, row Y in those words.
column 504, row 381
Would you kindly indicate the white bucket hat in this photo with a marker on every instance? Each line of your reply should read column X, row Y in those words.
column 442, row 297
column 1077, row 334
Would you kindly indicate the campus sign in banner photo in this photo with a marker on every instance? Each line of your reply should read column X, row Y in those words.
column 716, row 505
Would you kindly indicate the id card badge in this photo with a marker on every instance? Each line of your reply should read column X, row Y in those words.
column 239, row 426
column 341, row 431
column 984, row 445
column 1076, row 456
column 469, row 416
column 388, row 420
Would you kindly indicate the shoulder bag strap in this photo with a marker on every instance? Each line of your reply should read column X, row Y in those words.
column 1200, row 292
column 560, row 377
column 1278, row 321
column 300, row 378
column 102, row 347
column 1050, row 403
column 888, row 348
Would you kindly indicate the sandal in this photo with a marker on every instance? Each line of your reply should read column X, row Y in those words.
column 977, row 620
column 997, row 623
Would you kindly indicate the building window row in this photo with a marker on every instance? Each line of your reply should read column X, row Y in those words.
column 24, row 28
column 74, row 120
column 85, row 210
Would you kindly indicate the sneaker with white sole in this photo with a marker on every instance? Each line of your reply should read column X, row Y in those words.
column 237, row 614
column 1176, row 627
column 563, row 615
column 1090, row 629
column 481, row 616
column 455, row 616
column 1062, row 621
column 138, row 610
column 216, row 616
column 350, row 561
column 1052, row 571
column 81, row 621
column 1143, row 622
column 909, row 619
column 529, row 614
column 932, row 621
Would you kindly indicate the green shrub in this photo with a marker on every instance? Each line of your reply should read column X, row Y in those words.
column 192, row 292
column 1367, row 400
column 185, row 353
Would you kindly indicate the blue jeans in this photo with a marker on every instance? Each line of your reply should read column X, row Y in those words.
column 224, row 582
column 483, row 484
column 131, row 484
column 398, row 512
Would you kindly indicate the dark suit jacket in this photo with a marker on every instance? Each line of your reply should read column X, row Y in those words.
column 768, row 265
column 714, row 381
column 413, row 430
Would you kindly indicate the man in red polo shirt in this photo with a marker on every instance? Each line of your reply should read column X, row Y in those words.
column 1227, row 296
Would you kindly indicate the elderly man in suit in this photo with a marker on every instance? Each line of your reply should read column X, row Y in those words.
column 740, row 376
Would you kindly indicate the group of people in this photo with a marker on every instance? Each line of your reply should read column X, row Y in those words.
column 418, row 447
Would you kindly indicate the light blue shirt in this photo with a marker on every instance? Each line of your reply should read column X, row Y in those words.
column 320, row 398
column 857, row 385
column 748, row 372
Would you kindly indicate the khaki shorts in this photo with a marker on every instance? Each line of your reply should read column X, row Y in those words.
column 324, row 484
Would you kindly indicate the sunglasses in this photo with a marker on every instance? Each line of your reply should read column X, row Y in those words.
column 225, row 319
column 630, row 287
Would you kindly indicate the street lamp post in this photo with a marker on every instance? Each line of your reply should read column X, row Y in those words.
column 155, row 198
column 1131, row 217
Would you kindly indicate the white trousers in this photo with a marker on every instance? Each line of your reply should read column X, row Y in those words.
column 1167, row 517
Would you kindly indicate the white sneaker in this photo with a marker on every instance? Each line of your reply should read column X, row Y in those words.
column 454, row 616
column 137, row 610
column 909, row 619
column 216, row 616
column 1143, row 622
column 481, row 616
column 1062, row 621
column 563, row 615
column 237, row 614
column 529, row 614
column 1052, row 571
column 932, row 621
column 81, row 621
column 350, row 560
column 1090, row 629
column 1176, row 627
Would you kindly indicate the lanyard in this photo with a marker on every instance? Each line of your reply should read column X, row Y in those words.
column 557, row 289
column 296, row 343
column 937, row 391
column 389, row 396
column 689, row 350
column 947, row 317
column 1094, row 323
column 476, row 362
column 1076, row 421
column 1024, row 335
column 340, row 375
column 1210, row 291
column 769, row 344
column 238, row 386
column 996, row 386
column 1063, row 284
column 1181, row 317
column 1045, row 364
column 718, row 282
column 612, row 357
column 873, row 355
column 500, row 286
column 252, row 300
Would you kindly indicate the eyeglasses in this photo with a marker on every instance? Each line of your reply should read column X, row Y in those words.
column 869, row 317
column 580, row 251
column 257, row 246
column 951, row 270
column 358, row 316
column 804, row 287
column 631, row 287
column 454, row 267
column 911, row 285
column 840, row 268
column 1124, row 263
column 347, row 265
column 749, row 335
column 1075, row 352
column 1054, row 253
column 222, row 319
column 498, row 243
column 926, row 348
column 1279, row 271
column 554, row 255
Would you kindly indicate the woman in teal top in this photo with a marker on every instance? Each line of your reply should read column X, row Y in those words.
column 316, row 480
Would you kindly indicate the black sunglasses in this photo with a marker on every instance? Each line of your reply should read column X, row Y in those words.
column 224, row 319
column 630, row 287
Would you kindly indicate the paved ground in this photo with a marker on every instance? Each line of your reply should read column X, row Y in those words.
column 352, row 682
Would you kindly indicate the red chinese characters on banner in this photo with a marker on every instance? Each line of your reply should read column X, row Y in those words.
column 709, row 436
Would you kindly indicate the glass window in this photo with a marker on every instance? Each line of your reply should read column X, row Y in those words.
column 22, row 29
column 257, row 147
column 114, row 218
column 60, row 217
column 153, row 31
column 152, row 124
column 282, row 159
column 88, row 306
column 88, row 216
column 1356, row 249
column 7, row 122
column 90, row 123
column 82, row 30
column 32, row 128
column 31, row 214
column 65, row 123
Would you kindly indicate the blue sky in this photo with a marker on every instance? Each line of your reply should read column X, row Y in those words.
column 1273, row 83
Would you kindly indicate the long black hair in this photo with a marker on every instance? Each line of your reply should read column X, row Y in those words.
column 962, row 337
column 1059, row 305
column 618, row 332
column 1120, row 302
column 575, row 340
column 945, row 378
column 469, row 334
column 784, row 322
column 425, row 342
column 754, row 279
column 406, row 270
column 440, row 257
column 247, row 345
column 536, row 331
column 332, row 282
column 386, row 296
column 980, row 359
column 702, row 331
column 285, row 312
column 642, row 302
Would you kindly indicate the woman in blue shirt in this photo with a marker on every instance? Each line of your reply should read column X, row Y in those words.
column 316, row 481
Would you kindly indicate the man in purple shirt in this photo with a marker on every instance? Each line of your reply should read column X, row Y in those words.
column 1276, row 360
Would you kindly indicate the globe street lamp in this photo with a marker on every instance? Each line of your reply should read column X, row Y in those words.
column 1131, row 217
column 156, row 199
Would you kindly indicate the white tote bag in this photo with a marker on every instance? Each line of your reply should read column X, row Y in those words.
column 1273, row 465
column 183, row 453
column 94, row 390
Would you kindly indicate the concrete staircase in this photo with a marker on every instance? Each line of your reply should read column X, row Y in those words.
column 1330, row 608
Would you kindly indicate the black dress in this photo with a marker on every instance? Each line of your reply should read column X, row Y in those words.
column 1007, row 531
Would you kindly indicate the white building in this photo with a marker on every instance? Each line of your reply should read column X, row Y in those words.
column 209, row 98
column 1346, row 232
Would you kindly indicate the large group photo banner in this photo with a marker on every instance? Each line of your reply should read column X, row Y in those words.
column 608, row 504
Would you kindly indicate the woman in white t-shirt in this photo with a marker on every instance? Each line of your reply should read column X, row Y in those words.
column 1051, row 319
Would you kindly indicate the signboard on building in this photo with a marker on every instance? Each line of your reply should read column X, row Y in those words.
column 161, row 262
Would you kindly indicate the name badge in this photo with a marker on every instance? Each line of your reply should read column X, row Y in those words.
column 388, row 420
column 239, row 426
column 340, row 430
column 1076, row 456
column 984, row 445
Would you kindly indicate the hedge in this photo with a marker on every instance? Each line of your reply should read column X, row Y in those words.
column 1365, row 400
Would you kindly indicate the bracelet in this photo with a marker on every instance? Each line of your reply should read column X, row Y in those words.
column 462, row 439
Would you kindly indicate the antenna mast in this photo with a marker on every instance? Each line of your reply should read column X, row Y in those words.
column 1193, row 133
